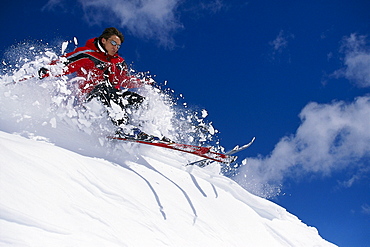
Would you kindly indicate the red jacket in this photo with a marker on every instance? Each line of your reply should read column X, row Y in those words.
column 95, row 65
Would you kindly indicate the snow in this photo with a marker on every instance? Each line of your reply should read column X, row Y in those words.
column 63, row 183
column 51, row 196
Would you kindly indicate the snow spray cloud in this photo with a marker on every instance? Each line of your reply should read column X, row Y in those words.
column 331, row 137
column 45, row 108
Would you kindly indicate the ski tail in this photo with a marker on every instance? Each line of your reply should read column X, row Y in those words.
column 236, row 149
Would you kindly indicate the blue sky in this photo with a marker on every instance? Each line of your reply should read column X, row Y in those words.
column 295, row 74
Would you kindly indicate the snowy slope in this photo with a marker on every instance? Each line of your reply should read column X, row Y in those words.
column 54, row 197
column 63, row 183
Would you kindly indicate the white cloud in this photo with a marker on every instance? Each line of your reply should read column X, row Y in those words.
column 331, row 137
column 213, row 6
column 155, row 20
column 359, row 175
column 52, row 4
column 210, row 6
column 281, row 41
column 149, row 19
column 64, row 6
column 356, row 60
column 365, row 209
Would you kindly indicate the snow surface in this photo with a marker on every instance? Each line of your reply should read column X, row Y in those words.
column 63, row 183
column 51, row 196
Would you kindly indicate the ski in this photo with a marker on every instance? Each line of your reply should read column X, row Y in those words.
column 204, row 152
column 236, row 149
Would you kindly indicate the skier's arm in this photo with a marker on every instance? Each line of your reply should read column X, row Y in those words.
column 66, row 64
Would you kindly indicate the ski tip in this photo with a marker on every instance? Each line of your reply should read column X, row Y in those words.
column 236, row 147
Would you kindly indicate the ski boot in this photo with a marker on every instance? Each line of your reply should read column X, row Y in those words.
column 137, row 134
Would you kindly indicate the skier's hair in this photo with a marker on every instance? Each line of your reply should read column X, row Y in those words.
column 109, row 32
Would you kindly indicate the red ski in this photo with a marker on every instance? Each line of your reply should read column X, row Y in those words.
column 204, row 152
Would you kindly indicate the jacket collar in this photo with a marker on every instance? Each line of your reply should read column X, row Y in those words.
column 98, row 45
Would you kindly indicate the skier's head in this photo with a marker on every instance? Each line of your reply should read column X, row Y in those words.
column 111, row 39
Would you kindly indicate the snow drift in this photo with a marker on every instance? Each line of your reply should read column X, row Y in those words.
column 63, row 183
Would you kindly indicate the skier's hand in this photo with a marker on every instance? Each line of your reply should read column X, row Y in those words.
column 43, row 72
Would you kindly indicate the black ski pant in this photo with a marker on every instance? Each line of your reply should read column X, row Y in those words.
column 108, row 94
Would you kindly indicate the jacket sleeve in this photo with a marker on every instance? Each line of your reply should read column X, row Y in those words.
column 78, row 59
column 70, row 63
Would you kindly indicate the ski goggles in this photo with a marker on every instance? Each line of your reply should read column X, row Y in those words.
column 114, row 43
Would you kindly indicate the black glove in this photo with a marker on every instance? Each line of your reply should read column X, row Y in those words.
column 43, row 72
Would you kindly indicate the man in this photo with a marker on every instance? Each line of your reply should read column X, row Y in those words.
column 105, row 76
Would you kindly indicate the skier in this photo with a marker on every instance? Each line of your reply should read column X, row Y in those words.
column 105, row 77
